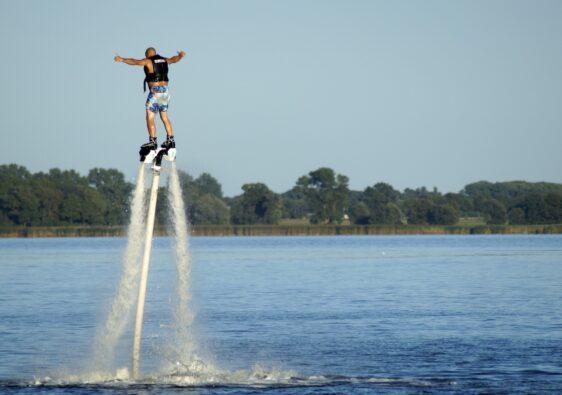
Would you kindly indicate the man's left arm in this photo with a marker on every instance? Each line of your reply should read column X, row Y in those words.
column 177, row 58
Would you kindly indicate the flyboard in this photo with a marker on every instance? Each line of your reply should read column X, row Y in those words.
column 153, row 157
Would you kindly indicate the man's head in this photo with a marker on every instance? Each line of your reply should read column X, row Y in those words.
column 150, row 52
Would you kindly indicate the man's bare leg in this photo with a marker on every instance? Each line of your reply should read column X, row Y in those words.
column 167, row 124
column 150, row 124
column 169, row 143
column 151, row 145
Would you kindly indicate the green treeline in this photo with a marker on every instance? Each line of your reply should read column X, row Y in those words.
column 66, row 198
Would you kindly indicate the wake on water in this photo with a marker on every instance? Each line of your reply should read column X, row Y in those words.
column 255, row 378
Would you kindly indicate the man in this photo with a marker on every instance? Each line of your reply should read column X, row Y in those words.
column 156, row 75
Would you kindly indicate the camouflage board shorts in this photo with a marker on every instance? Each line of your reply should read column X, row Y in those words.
column 158, row 99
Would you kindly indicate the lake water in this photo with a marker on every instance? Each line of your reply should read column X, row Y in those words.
column 396, row 314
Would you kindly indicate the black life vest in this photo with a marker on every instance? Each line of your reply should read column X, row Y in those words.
column 160, row 67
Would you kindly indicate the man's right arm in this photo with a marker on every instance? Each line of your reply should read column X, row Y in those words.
column 130, row 61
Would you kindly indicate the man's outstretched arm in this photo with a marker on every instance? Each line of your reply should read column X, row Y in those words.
column 177, row 58
column 130, row 61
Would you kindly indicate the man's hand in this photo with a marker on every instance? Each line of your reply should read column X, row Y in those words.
column 181, row 54
column 118, row 58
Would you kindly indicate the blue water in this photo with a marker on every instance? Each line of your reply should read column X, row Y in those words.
column 383, row 314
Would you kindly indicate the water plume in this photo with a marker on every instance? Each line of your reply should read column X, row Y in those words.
column 120, row 313
column 183, row 344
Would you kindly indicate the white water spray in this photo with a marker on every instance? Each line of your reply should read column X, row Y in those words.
column 183, row 317
column 135, row 276
column 119, row 315
column 187, row 369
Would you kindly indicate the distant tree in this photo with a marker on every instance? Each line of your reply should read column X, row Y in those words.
column 326, row 194
column 207, row 184
column 508, row 193
column 209, row 209
column 381, row 202
column 53, row 198
column 541, row 208
column 116, row 192
column 421, row 192
column 62, row 197
column 394, row 214
column 50, row 201
column 462, row 203
column 516, row 216
column 360, row 214
column 422, row 211
column 493, row 210
column 294, row 204
column 553, row 202
column 83, row 206
column 19, row 204
column 82, row 203
column 257, row 205
column 12, row 174
column 417, row 211
column 383, row 192
column 443, row 215
column 203, row 199
column 354, row 197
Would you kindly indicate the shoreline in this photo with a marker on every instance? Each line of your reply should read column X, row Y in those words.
column 282, row 230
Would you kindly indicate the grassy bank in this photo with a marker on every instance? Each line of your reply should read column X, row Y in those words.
column 285, row 230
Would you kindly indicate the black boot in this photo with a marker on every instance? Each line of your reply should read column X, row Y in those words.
column 169, row 143
column 145, row 149
column 152, row 144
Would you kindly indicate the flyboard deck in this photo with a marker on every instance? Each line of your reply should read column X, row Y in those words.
column 155, row 157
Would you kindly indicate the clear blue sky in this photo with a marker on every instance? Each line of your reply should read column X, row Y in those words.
column 434, row 93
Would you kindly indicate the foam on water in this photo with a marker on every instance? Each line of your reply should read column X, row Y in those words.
column 198, row 375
